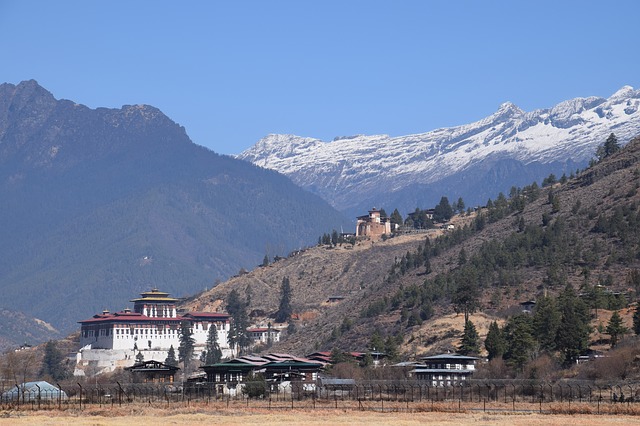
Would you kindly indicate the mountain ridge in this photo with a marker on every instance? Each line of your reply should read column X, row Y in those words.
column 353, row 173
column 101, row 204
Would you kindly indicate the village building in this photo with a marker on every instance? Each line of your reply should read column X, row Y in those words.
column 263, row 335
column 282, row 373
column 152, row 372
column 113, row 340
column 373, row 225
column 445, row 369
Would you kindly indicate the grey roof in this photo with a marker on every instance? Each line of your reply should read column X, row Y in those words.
column 450, row 356
column 441, row 371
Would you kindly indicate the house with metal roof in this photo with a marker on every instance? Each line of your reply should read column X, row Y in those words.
column 445, row 369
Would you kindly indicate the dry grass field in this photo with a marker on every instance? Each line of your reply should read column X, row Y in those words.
column 142, row 415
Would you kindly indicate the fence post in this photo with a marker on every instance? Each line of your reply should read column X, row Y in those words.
column 39, row 395
column 59, row 396
column 80, row 396
column 18, row 390
column 120, row 392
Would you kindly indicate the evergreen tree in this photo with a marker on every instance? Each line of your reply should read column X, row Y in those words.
column 171, row 357
column 396, row 218
column 237, row 337
column 462, row 257
column 52, row 362
column 465, row 299
column 213, row 353
column 546, row 320
column 234, row 303
column 187, row 343
column 460, row 205
column 139, row 357
column 265, row 261
column 495, row 342
column 334, row 237
column 518, row 334
column 609, row 147
column 615, row 328
column 284, row 310
column 470, row 341
column 573, row 336
column 443, row 211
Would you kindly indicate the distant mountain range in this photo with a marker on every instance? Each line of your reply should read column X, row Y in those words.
column 99, row 204
column 475, row 161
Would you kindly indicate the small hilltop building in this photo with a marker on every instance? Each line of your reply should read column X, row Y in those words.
column 373, row 225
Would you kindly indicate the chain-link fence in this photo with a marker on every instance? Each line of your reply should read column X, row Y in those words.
column 494, row 395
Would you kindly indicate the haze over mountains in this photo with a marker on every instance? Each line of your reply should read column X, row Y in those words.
column 100, row 204
column 475, row 161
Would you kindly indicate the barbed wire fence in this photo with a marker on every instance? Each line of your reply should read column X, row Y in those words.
column 409, row 396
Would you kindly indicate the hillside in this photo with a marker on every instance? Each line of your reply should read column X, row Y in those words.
column 584, row 233
column 474, row 161
column 100, row 204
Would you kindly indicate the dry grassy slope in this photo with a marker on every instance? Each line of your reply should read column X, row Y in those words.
column 358, row 273
column 315, row 274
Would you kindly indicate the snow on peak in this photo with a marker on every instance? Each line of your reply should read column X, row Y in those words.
column 357, row 168
column 624, row 92
column 508, row 110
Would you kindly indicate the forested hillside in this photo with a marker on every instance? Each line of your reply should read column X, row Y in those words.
column 571, row 243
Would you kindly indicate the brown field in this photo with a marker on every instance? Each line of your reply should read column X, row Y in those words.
column 142, row 415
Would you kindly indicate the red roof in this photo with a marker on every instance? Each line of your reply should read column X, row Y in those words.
column 262, row 330
column 137, row 317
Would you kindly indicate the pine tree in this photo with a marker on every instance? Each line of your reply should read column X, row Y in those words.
column 443, row 211
column 470, row 341
column 284, row 310
column 396, row 218
column 213, row 352
column 465, row 298
column 52, row 362
column 546, row 320
column 572, row 337
column 609, row 147
column 171, row 357
column 265, row 261
column 139, row 357
column 237, row 337
column 187, row 343
column 495, row 342
column 615, row 328
column 518, row 333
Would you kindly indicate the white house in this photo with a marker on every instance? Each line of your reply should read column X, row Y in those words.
column 446, row 369
column 263, row 335
column 112, row 340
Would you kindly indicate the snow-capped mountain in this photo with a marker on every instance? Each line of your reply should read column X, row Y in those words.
column 475, row 161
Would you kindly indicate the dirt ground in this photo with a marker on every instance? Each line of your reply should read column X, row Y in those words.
column 142, row 417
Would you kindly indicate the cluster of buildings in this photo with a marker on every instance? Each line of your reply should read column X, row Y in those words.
column 115, row 340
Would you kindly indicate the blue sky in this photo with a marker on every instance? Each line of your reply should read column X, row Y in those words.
column 232, row 72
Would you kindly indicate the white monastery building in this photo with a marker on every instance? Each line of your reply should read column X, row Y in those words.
column 112, row 340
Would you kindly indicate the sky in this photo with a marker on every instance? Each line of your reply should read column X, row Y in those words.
column 233, row 72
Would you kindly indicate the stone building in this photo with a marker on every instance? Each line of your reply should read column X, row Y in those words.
column 373, row 225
